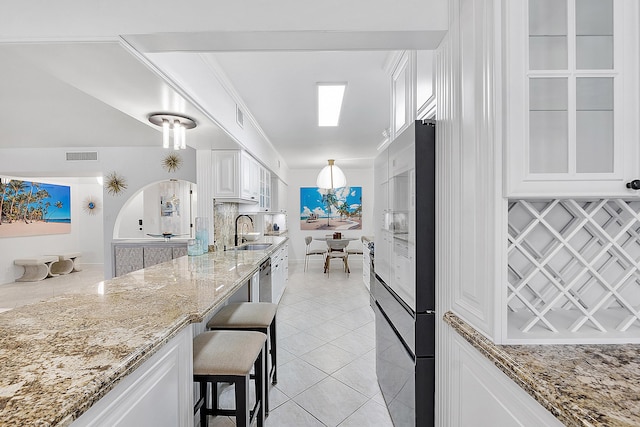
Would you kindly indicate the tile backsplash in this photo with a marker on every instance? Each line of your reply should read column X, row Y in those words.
column 224, row 217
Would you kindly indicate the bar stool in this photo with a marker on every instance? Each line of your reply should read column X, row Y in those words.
column 228, row 356
column 252, row 316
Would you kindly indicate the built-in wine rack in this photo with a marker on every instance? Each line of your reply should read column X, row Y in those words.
column 573, row 271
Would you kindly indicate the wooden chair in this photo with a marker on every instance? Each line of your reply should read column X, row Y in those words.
column 337, row 249
column 311, row 252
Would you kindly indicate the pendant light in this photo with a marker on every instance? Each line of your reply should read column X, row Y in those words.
column 331, row 177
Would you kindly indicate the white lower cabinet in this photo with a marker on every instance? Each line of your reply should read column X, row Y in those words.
column 279, row 273
column 158, row 393
column 366, row 266
column 483, row 396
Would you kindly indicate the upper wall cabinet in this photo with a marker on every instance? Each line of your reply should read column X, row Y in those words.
column 250, row 174
column 278, row 195
column 402, row 99
column 571, row 98
column 412, row 95
column 236, row 176
column 264, row 189
column 425, row 96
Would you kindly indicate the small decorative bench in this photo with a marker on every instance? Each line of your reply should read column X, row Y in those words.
column 36, row 268
column 66, row 263
column 44, row 266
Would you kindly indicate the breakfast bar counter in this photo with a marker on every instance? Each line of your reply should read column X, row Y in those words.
column 61, row 356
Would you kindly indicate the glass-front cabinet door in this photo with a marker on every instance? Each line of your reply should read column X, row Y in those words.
column 571, row 97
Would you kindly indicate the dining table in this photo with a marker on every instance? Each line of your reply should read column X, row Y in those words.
column 338, row 247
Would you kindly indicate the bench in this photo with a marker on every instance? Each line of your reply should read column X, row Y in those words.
column 44, row 266
column 66, row 263
column 36, row 268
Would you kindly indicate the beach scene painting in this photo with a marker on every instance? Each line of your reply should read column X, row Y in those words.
column 34, row 208
column 340, row 209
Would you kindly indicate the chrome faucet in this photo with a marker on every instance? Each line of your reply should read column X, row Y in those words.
column 236, row 229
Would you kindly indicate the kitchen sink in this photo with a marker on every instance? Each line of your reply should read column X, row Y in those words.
column 254, row 247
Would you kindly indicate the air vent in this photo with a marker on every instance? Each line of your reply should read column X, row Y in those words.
column 239, row 117
column 82, row 155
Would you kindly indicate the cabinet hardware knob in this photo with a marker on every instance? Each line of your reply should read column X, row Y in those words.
column 634, row 185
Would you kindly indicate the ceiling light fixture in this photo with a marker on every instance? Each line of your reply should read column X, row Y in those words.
column 330, row 97
column 176, row 123
column 331, row 177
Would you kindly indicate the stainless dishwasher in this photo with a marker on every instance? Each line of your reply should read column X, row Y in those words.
column 264, row 281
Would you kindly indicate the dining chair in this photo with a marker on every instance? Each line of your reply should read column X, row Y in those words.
column 310, row 252
column 358, row 250
column 337, row 249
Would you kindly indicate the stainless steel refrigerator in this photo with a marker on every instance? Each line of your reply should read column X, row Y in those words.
column 403, row 292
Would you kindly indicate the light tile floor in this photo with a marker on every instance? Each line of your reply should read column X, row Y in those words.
column 326, row 354
column 326, row 346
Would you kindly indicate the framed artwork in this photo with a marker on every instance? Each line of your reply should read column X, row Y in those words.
column 34, row 208
column 169, row 206
column 321, row 209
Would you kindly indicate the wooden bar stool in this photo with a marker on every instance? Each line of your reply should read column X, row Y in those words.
column 252, row 316
column 229, row 356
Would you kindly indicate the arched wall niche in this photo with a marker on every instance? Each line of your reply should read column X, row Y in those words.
column 166, row 206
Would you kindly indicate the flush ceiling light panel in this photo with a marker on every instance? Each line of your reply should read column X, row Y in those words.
column 330, row 97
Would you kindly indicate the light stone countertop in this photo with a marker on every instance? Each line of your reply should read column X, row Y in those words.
column 60, row 356
column 582, row 385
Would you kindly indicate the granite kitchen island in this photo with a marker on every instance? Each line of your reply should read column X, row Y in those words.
column 62, row 356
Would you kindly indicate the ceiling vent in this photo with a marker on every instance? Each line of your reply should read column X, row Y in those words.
column 82, row 155
column 239, row 117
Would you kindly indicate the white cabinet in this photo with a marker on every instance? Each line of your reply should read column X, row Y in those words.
column 366, row 267
column 484, row 396
column 403, row 86
column 264, row 203
column 278, row 195
column 237, row 176
column 279, row 272
column 226, row 174
column 158, row 393
column 381, row 216
column 572, row 99
column 249, row 184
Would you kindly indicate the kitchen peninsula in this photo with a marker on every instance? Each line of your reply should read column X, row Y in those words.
column 62, row 356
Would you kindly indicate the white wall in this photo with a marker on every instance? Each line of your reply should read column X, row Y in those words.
column 470, row 237
column 127, row 226
column 307, row 178
column 140, row 166
column 85, row 236
column 145, row 206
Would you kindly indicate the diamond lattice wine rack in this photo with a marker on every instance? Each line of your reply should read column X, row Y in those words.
column 574, row 271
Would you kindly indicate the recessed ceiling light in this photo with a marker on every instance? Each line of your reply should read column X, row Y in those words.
column 330, row 103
